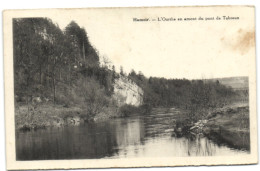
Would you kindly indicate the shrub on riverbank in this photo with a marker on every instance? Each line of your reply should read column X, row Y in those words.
column 41, row 116
column 46, row 115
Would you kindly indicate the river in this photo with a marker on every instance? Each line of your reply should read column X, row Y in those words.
column 132, row 137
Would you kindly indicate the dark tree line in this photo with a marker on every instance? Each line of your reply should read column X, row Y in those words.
column 196, row 96
column 49, row 62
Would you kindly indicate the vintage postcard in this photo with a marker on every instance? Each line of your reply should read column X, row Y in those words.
column 130, row 87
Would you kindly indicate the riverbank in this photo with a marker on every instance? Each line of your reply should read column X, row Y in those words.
column 49, row 115
column 41, row 116
column 230, row 125
column 114, row 138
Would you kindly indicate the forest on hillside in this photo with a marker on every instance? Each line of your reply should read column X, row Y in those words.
column 198, row 97
column 62, row 67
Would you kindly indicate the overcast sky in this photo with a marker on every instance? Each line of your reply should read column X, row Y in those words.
column 187, row 49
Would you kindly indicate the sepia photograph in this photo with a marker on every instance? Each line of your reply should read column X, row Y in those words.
column 167, row 85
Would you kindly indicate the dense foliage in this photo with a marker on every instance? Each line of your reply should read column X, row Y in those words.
column 61, row 66
column 198, row 97
column 57, row 65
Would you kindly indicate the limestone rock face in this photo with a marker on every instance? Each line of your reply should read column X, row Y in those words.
column 127, row 92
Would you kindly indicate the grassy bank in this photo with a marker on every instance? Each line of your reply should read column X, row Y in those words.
column 226, row 125
column 230, row 125
column 48, row 115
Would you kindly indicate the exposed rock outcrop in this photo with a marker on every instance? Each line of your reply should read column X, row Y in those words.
column 127, row 92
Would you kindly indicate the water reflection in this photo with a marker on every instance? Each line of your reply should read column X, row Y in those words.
column 119, row 138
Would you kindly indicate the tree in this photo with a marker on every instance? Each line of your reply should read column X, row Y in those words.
column 121, row 71
column 88, row 54
column 113, row 74
column 132, row 73
column 95, row 98
column 33, row 39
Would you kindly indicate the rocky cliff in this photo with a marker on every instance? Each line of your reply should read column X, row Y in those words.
column 127, row 92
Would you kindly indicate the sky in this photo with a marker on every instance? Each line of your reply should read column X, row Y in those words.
column 170, row 49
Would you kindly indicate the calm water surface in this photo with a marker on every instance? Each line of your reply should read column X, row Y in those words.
column 147, row 136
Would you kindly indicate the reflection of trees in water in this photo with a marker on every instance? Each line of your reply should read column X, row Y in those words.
column 97, row 141
column 118, row 138
column 199, row 146
column 235, row 140
column 129, row 137
column 67, row 143
column 128, row 134
column 244, row 138
column 93, row 140
column 158, row 122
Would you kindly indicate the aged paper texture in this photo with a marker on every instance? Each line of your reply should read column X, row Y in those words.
column 130, row 87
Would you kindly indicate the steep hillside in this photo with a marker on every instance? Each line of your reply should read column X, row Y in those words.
column 127, row 92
